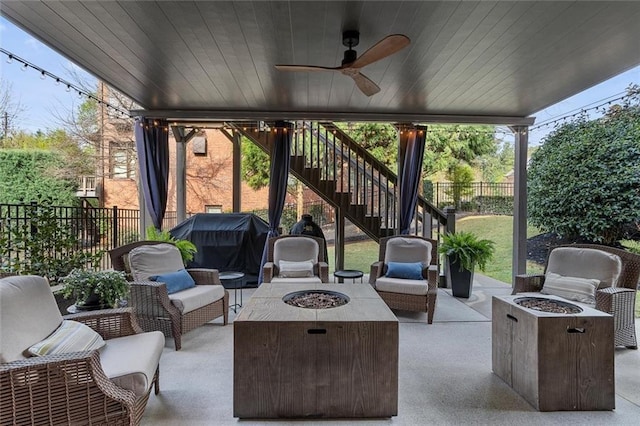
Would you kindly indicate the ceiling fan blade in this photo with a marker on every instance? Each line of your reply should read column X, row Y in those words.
column 305, row 68
column 367, row 86
column 385, row 47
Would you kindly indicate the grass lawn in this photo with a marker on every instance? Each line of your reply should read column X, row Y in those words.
column 360, row 255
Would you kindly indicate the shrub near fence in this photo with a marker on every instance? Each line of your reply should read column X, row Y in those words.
column 475, row 197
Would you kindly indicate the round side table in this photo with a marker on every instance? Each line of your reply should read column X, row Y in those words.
column 234, row 278
column 351, row 274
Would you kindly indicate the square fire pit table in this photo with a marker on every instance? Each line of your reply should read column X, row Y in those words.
column 556, row 361
column 294, row 362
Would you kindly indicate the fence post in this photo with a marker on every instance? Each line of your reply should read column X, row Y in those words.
column 114, row 226
column 32, row 225
column 451, row 219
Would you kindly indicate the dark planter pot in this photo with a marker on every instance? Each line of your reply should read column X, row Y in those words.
column 460, row 279
column 92, row 303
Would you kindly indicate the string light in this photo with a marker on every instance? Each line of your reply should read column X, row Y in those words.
column 44, row 74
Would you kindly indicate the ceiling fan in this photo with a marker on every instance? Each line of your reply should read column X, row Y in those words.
column 352, row 63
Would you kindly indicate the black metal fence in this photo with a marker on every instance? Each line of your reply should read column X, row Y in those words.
column 60, row 230
column 474, row 197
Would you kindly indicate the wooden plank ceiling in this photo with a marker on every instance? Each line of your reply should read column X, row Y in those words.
column 216, row 59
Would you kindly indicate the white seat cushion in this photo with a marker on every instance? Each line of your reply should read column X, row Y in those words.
column 401, row 285
column 131, row 361
column 196, row 297
column 307, row 280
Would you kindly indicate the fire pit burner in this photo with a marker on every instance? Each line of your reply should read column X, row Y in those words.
column 548, row 305
column 316, row 299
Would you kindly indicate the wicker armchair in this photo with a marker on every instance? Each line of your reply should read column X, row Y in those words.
column 407, row 294
column 154, row 307
column 106, row 386
column 296, row 248
column 617, row 300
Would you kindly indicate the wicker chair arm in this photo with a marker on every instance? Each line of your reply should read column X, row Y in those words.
column 149, row 296
column 528, row 283
column 376, row 271
column 109, row 323
column 323, row 271
column 268, row 272
column 205, row 276
column 432, row 279
column 614, row 300
column 56, row 389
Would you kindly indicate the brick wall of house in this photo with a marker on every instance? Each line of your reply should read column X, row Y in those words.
column 209, row 179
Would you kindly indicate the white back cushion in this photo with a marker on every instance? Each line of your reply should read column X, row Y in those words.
column 295, row 249
column 28, row 314
column 585, row 263
column 153, row 260
column 400, row 249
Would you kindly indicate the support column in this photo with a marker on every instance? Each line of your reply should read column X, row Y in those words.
column 519, row 261
column 179, row 133
column 339, row 240
column 237, row 157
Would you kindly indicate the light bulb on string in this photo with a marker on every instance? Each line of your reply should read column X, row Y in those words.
column 42, row 75
column 24, row 67
column 68, row 89
column 10, row 59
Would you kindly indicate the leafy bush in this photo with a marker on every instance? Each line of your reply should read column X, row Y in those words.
column 42, row 244
column 584, row 180
column 32, row 175
column 493, row 204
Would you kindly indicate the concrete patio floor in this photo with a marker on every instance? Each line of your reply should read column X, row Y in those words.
column 445, row 375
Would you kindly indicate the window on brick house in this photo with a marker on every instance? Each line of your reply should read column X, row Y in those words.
column 122, row 160
column 213, row 208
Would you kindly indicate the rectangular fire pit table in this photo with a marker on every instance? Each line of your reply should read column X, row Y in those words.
column 555, row 361
column 292, row 362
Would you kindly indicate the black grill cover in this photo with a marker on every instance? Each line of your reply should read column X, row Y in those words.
column 226, row 242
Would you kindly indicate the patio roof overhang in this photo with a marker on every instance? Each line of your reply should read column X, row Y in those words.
column 494, row 62
column 477, row 61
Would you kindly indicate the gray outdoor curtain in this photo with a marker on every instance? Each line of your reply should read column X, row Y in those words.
column 280, row 159
column 152, row 144
column 410, row 158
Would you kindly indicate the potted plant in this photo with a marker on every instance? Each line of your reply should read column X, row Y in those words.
column 464, row 251
column 95, row 289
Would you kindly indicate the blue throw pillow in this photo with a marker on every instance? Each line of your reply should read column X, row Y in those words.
column 406, row 270
column 175, row 281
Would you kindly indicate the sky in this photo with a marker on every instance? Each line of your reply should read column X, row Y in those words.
column 43, row 100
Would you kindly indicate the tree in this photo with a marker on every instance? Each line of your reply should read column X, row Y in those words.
column 255, row 165
column 10, row 111
column 584, row 179
column 380, row 139
column 449, row 145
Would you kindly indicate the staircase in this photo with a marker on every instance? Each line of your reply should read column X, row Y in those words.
column 348, row 177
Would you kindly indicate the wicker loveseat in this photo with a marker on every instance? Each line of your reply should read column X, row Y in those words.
column 615, row 271
column 173, row 314
column 109, row 385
